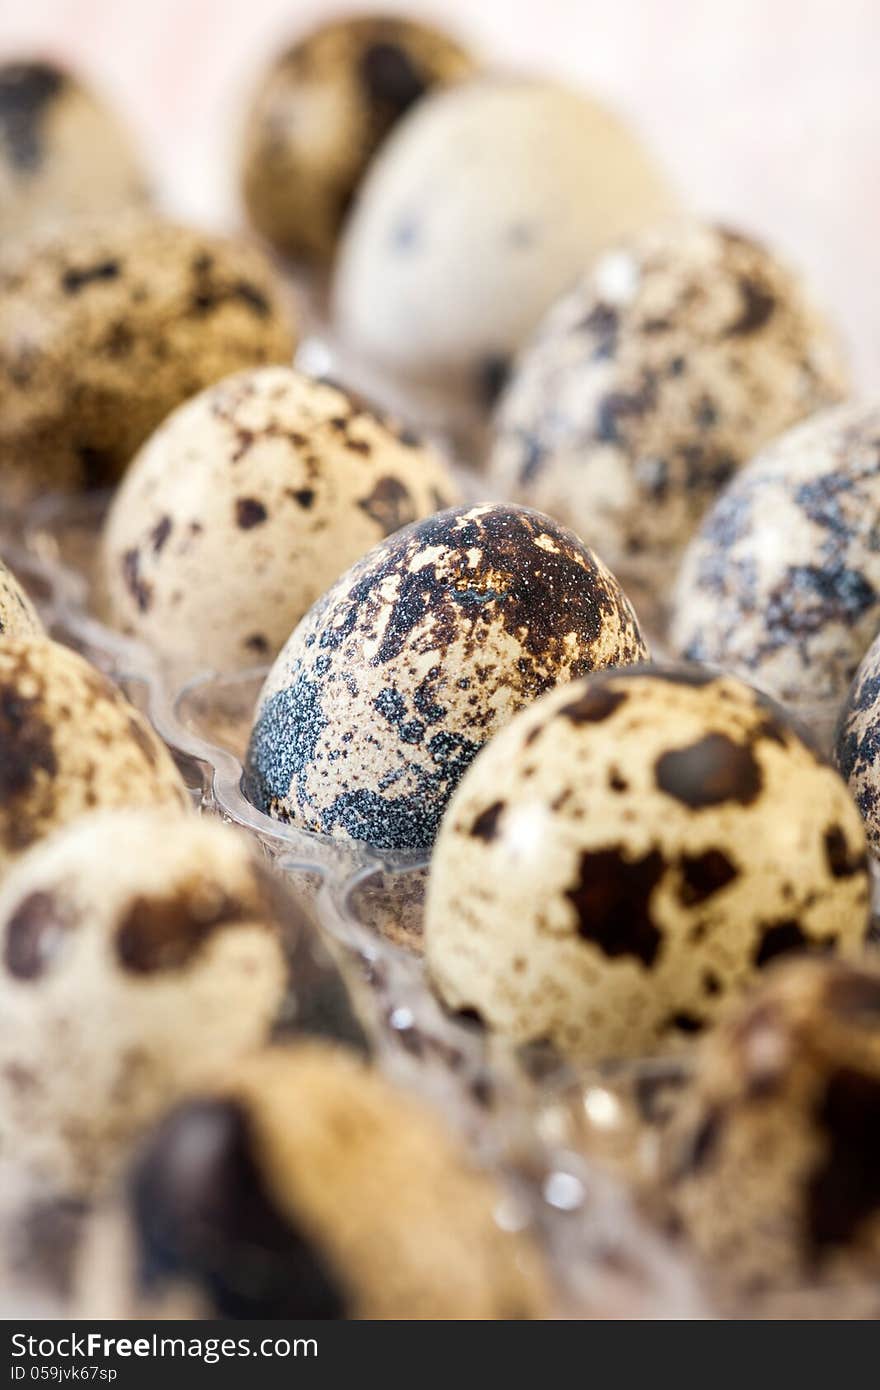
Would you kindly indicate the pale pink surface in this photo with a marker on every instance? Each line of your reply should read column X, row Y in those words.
column 764, row 111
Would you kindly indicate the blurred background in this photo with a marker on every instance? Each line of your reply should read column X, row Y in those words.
column 765, row 112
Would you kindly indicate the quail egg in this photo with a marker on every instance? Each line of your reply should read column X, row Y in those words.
column 104, row 329
column 322, row 110
column 857, row 750
column 70, row 741
column 304, row 1186
column 772, row 1165
column 246, row 505
column 18, row 617
column 651, row 382
column 395, row 678
column 481, row 207
column 141, row 955
column 62, row 152
column 628, row 852
column 782, row 581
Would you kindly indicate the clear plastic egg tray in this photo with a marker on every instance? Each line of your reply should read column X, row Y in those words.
column 573, row 1149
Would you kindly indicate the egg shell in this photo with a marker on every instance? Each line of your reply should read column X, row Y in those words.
column 107, row 327
column 771, row 1167
column 651, row 382
column 628, row 853
column 782, row 581
column 63, row 153
column 857, row 743
column 18, row 617
column 295, row 1157
column 141, row 956
column 394, row 680
column 246, row 505
column 481, row 207
column 70, row 742
column 321, row 112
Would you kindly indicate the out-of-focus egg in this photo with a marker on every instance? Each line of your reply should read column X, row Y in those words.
column 771, row 1166
column 141, row 956
column 321, row 112
column 396, row 678
column 303, row 1185
column 628, row 853
column 105, row 328
column 481, row 208
column 63, row 153
column 649, row 384
column 782, row 582
column 246, row 505
column 70, row 742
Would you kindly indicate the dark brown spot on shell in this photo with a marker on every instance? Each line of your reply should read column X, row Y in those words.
column 710, row 772
column 596, row 703
column 844, row 1190
column 485, row 827
column 841, row 861
column 389, row 505
column 612, row 899
column 27, row 90
column 704, row 874
column 777, row 939
column 758, row 306
column 160, row 533
column 27, row 750
column 140, row 590
column 202, row 1214
column 249, row 513
column 74, row 280
column 159, row 934
column 34, row 933
column 390, row 77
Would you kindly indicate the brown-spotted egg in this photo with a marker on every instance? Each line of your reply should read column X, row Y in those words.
column 63, row 152
column 651, row 382
column 321, row 112
column 628, row 853
column 141, row 956
column 771, row 1166
column 396, row 678
column 246, row 505
column 70, row 742
column 105, row 327
column 303, row 1184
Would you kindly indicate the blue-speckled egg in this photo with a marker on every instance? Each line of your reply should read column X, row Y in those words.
column 392, row 683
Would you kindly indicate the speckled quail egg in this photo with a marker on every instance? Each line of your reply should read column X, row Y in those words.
column 306, row 1186
column 772, row 1166
column 141, row 955
column 481, row 207
column 857, row 742
column 395, row 679
column 70, row 741
column 107, row 327
column 246, row 505
column 18, row 617
column 63, row 153
column 630, row 851
column 322, row 110
column 651, row 382
column 782, row 581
